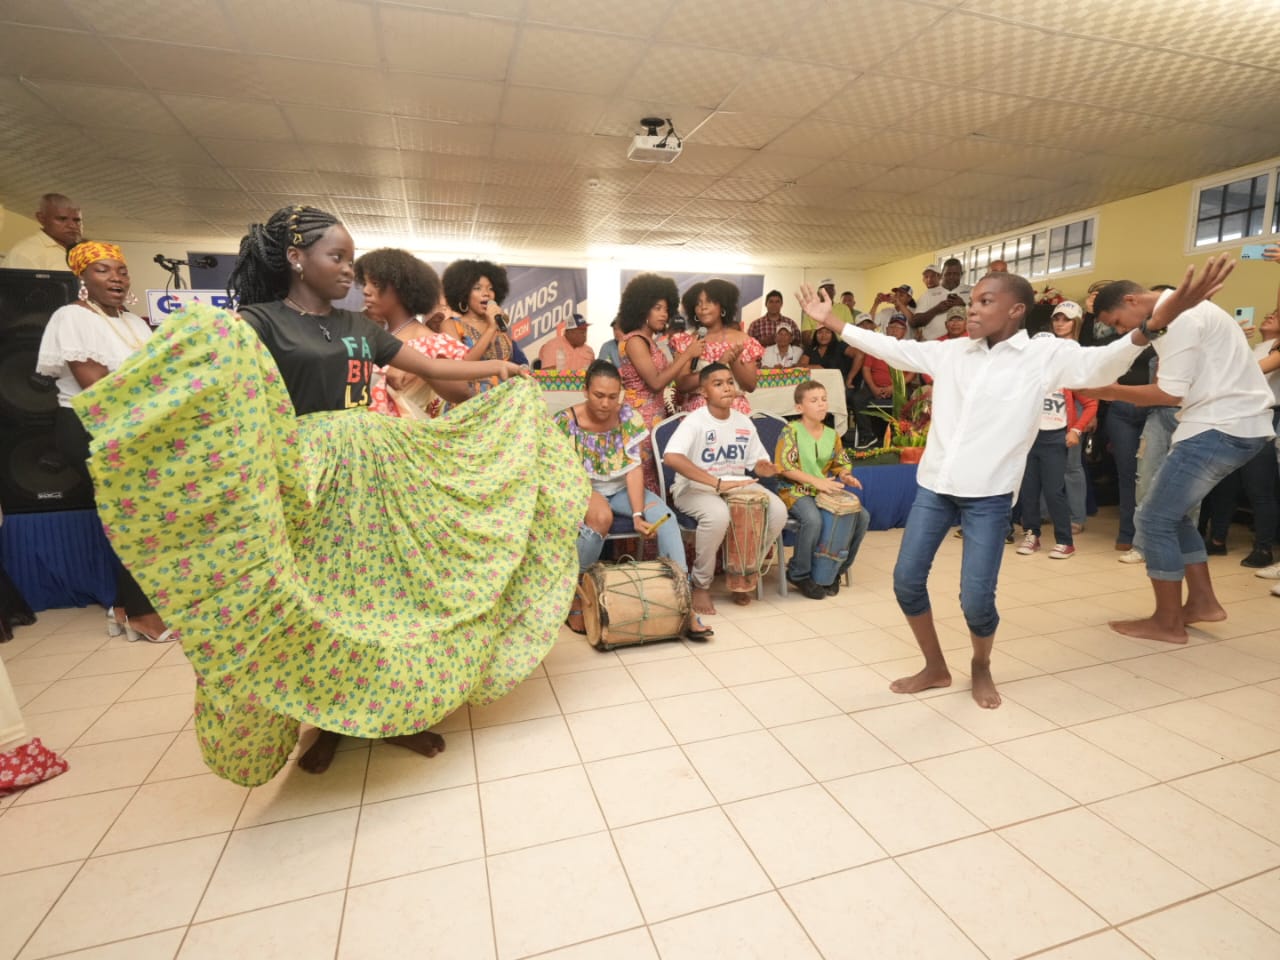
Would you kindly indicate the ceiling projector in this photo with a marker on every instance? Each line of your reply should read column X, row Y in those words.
column 653, row 147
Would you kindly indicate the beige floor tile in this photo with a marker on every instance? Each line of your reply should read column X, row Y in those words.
column 56, row 831
column 745, row 765
column 1189, row 835
column 139, row 718
column 873, row 901
column 1230, row 662
column 687, row 862
column 295, row 793
column 647, row 786
column 1004, row 902
column 761, row 928
column 1270, row 765
column 778, row 628
column 874, row 645
column 119, row 656
column 163, row 682
column 651, row 652
column 101, row 766
column 1076, row 767
column 84, row 642
column 515, row 748
column 751, row 665
column 827, row 620
column 181, row 759
column 1189, row 679
column 538, row 808
column 671, row 678
column 529, row 701
column 175, row 810
column 415, row 833
column 595, row 688
column 1207, row 927
column 991, row 726
column 559, row 894
column 279, row 862
column 1259, row 895
column 701, row 716
column 164, row 884
column 801, row 834
column 27, row 897
column 397, row 772
column 630, row 945
column 902, row 810
column 574, row 654
column 1248, row 703
column 1116, row 683
column 1244, row 795
column 1149, row 746
column 154, row 946
column 441, row 914
column 833, row 747
column 72, row 693
column 789, row 700
column 42, row 669
column 1222, row 732
column 915, row 731
column 812, row 656
column 1107, row 869
column 59, row 730
column 615, row 731
column 992, row 787
column 1048, row 655
column 1058, row 701
column 1108, row 945
column 855, row 688
column 1103, row 643
column 304, row 928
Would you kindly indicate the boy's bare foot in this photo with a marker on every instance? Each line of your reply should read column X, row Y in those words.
column 742, row 599
column 320, row 754
column 1149, row 629
column 426, row 743
column 926, row 679
column 702, row 601
column 985, row 694
column 1209, row 612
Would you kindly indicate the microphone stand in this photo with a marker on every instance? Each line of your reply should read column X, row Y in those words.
column 174, row 268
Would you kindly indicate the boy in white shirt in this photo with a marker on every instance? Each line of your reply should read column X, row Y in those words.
column 711, row 451
column 986, row 414
column 1206, row 368
column 782, row 352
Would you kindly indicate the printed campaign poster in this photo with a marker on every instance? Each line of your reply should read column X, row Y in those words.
column 541, row 300
column 750, row 288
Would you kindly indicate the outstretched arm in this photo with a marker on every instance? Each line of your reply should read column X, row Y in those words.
column 411, row 361
column 903, row 354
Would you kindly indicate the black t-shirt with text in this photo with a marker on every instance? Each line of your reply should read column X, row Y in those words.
column 326, row 361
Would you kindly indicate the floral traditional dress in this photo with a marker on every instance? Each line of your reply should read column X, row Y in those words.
column 650, row 404
column 610, row 455
column 436, row 346
column 362, row 573
column 712, row 351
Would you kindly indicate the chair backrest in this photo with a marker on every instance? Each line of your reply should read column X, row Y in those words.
column 659, row 436
column 536, row 365
column 769, row 426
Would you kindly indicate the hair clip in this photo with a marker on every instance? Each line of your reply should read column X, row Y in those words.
column 297, row 239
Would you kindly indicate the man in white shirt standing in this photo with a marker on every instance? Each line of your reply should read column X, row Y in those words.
column 987, row 394
column 61, row 228
column 1207, row 369
column 929, row 320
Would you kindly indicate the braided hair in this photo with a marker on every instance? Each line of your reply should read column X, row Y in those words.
column 261, row 273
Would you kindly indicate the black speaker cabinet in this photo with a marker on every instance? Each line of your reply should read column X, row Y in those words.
column 33, row 475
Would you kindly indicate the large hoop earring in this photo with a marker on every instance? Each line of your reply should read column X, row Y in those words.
column 131, row 300
column 83, row 295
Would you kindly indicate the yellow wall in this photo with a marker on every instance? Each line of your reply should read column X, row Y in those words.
column 1143, row 239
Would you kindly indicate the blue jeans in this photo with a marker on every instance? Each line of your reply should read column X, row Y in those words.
column 806, row 512
column 1157, row 438
column 1047, row 472
column 590, row 543
column 984, row 521
column 1166, row 536
column 1124, row 428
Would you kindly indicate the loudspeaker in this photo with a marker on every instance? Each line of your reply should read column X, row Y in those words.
column 34, row 476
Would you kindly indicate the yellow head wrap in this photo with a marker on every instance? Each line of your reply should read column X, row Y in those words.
column 84, row 255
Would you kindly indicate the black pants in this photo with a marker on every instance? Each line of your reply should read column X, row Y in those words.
column 1046, row 473
column 72, row 441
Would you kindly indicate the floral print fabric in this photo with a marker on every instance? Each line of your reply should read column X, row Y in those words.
column 712, row 351
column 610, row 454
column 362, row 573
column 434, row 346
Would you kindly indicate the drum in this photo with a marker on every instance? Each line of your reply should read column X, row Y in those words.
column 839, row 518
column 747, row 541
column 634, row 602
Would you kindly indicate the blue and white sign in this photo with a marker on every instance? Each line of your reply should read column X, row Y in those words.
column 162, row 303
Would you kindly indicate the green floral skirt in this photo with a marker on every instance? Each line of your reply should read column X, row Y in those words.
column 363, row 573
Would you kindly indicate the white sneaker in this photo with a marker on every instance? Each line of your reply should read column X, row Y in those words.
column 1062, row 551
column 1132, row 555
column 1030, row 544
column 1269, row 573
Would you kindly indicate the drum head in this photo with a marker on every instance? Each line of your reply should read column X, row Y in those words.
column 589, row 595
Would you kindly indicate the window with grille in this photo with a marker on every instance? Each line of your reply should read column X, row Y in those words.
column 1233, row 211
column 1036, row 254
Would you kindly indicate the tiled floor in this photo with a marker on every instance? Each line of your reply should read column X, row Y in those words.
column 762, row 795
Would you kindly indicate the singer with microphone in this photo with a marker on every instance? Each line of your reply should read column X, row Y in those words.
column 715, row 307
column 476, row 289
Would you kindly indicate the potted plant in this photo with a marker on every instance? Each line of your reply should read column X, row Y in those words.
column 908, row 421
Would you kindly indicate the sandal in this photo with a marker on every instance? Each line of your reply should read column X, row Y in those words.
column 134, row 635
column 702, row 633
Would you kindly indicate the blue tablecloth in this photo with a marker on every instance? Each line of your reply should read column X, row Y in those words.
column 58, row 559
column 888, row 490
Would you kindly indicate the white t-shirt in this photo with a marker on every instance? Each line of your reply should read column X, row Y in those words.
column 1053, row 415
column 929, row 298
column 1260, row 351
column 726, row 448
column 774, row 358
column 77, row 333
column 1205, row 359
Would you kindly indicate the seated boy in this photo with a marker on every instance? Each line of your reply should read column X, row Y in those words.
column 711, row 451
column 809, row 455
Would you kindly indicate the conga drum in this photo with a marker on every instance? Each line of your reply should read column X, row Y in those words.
column 839, row 515
column 634, row 602
column 746, row 541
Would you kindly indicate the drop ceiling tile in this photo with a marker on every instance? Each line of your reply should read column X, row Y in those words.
column 715, row 209
column 514, row 215
column 862, row 31
column 825, row 140
column 945, row 53
column 602, row 153
column 706, row 159
column 286, row 30
column 500, row 234
column 841, row 174
column 40, row 54
column 442, row 98
column 907, row 179
column 655, row 206
column 784, row 87
column 444, row 212
column 416, row 41
column 177, row 69
column 950, row 185
column 532, row 108
column 269, row 203
column 133, row 145
column 272, row 181
column 216, row 117
column 364, row 161
column 539, row 146
column 774, row 167
column 336, row 85
column 999, row 115
column 199, row 24
column 364, row 206
column 680, row 74
column 417, row 165
column 451, row 139
column 442, row 191
column 610, row 16
column 95, row 104
column 621, row 117
column 797, row 196
column 667, row 183
column 378, row 188
column 605, row 186
column 572, row 60
column 750, row 130
column 44, row 13
column 736, row 188
column 197, row 176
column 233, row 152
column 540, row 176
column 321, row 125
column 360, row 224
column 502, row 195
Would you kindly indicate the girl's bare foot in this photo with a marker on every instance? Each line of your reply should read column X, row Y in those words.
column 985, row 694
column 702, row 601
column 1149, row 629
column 320, row 754
column 926, row 679
column 426, row 743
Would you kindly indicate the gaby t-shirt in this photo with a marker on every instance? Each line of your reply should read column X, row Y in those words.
column 725, row 448
column 326, row 361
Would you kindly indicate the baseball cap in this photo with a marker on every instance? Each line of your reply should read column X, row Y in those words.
column 865, row 318
column 905, row 288
column 827, row 283
column 1069, row 309
column 961, row 312
column 932, row 268
column 898, row 318
column 576, row 321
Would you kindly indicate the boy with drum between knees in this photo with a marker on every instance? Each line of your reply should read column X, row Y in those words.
column 711, row 451
column 808, row 457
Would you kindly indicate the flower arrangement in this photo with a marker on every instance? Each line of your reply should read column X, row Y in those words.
column 1051, row 296
column 908, row 421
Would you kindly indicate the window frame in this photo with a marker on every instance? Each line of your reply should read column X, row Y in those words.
column 1270, row 212
column 1038, row 238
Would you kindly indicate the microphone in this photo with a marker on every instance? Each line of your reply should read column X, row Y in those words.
column 500, row 320
column 204, row 263
column 160, row 259
column 701, row 334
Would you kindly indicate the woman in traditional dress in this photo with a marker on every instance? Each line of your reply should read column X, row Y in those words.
column 717, row 304
column 82, row 343
column 365, row 574
column 475, row 289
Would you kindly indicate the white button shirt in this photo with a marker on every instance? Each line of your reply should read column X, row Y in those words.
column 987, row 400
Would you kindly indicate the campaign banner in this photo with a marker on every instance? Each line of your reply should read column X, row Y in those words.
column 541, row 300
column 162, row 303
column 750, row 288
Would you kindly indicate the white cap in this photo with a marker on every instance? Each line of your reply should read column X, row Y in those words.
column 864, row 318
column 827, row 283
column 932, row 268
column 1069, row 309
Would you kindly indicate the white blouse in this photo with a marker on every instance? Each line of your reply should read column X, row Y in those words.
column 77, row 333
